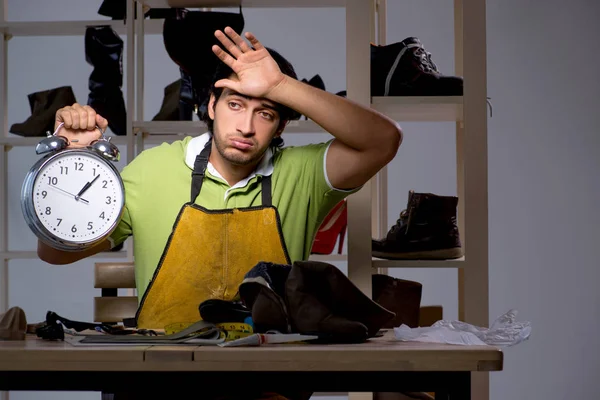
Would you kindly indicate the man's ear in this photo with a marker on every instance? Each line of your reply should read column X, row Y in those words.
column 211, row 107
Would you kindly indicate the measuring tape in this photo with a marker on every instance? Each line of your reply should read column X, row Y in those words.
column 229, row 330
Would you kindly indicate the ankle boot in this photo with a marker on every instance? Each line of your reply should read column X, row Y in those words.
column 44, row 106
column 169, row 109
column 104, row 51
column 400, row 296
column 406, row 69
column 426, row 229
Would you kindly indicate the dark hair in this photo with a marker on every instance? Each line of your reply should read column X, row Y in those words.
column 223, row 71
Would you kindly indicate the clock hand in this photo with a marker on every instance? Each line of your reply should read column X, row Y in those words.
column 70, row 194
column 86, row 187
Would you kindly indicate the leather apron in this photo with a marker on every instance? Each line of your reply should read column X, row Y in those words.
column 208, row 254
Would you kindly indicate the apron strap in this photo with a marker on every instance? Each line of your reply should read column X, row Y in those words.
column 265, row 191
column 200, row 165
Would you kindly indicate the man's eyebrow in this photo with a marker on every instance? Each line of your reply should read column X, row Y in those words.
column 230, row 92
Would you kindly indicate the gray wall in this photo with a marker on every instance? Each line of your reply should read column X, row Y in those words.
column 543, row 141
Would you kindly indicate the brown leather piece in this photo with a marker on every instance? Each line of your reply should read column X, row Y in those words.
column 400, row 296
column 13, row 324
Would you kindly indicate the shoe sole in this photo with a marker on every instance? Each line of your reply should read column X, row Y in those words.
column 442, row 254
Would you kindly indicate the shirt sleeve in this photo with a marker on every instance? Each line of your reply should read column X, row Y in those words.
column 307, row 164
column 131, row 181
column 325, row 194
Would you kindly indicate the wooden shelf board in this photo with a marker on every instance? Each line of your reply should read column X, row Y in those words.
column 456, row 263
column 244, row 3
column 19, row 141
column 419, row 108
column 328, row 257
column 58, row 28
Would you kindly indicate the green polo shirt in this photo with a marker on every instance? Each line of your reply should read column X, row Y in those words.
column 158, row 181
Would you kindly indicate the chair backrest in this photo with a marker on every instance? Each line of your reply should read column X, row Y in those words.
column 428, row 315
column 110, row 277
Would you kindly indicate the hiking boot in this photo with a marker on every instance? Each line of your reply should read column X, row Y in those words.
column 406, row 69
column 426, row 229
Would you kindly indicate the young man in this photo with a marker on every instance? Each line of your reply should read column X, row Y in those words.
column 179, row 197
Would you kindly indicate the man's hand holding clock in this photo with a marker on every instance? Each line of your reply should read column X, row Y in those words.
column 80, row 125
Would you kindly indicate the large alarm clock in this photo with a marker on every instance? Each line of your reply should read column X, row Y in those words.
column 73, row 198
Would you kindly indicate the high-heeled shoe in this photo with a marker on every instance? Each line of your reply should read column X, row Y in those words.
column 332, row 227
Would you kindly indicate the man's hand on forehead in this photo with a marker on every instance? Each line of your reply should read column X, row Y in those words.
column 257, row 72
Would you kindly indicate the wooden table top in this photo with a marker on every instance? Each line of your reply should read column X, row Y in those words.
column 378, row 354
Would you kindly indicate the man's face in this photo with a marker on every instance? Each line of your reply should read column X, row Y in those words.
column 243, row 127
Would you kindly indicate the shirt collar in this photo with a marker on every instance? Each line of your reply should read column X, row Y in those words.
column 196, row 144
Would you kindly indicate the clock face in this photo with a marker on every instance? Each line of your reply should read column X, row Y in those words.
column 78, row 197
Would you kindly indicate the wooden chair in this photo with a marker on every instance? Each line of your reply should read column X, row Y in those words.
column 109, row 307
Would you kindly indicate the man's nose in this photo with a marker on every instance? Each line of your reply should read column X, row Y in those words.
column 246, row 123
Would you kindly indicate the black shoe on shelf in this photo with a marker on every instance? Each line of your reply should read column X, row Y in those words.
column 427, row 229
column 406, row 69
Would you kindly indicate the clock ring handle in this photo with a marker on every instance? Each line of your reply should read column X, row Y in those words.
column 105, row 147
column 53, row 142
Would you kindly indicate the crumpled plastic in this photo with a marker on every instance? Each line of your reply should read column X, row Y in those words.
column 505, row 331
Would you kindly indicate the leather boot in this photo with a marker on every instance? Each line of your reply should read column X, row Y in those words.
column 117, row 10
column 189, row 99
column 400, row 296
column 44, row 106
column 426, row 229
column 323, row 301
column 188, row 37
column 406, row 69
column 263, row 292
column 104, row 51
column 169, row 109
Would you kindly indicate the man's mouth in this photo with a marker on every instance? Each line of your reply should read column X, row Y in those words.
column 241, row 144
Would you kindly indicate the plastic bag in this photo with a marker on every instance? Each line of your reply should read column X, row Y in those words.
column 505, row 331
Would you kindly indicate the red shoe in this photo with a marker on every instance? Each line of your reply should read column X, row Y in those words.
column 333, row 225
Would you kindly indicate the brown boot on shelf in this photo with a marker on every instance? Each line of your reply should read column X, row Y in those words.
column 426, row 229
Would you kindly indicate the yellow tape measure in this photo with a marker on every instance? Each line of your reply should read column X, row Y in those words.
column 176, row 327
column 229, row 330
column 234, row 330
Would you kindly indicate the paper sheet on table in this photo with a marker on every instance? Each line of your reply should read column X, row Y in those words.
column 259, row 339
column 505, row 331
